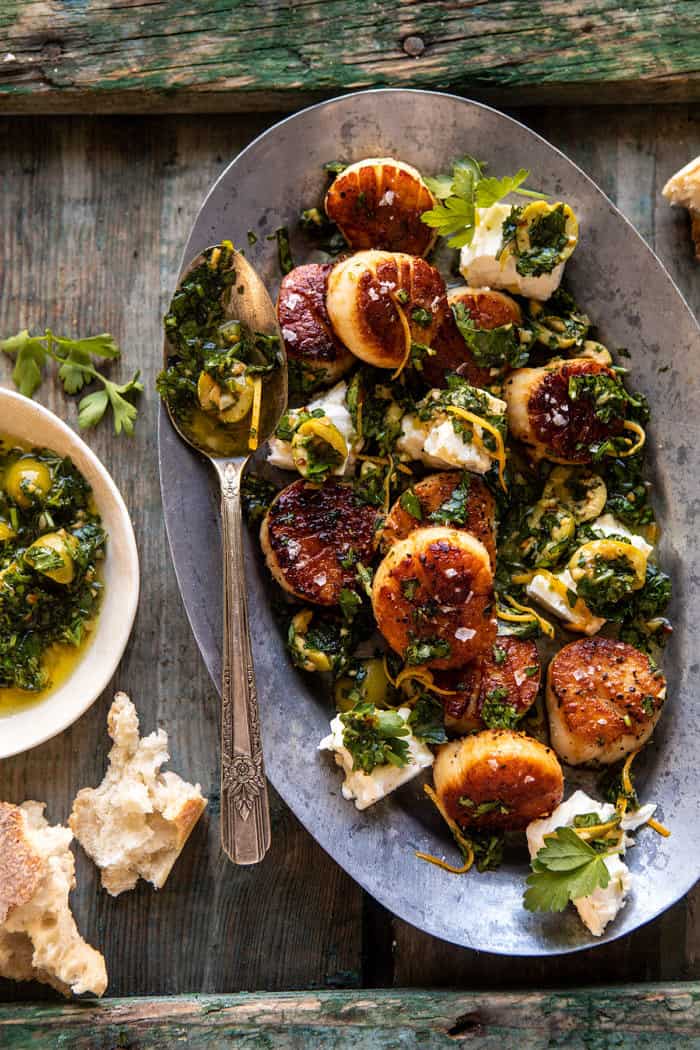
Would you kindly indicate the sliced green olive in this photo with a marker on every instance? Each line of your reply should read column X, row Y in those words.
column 6, row 532
column 582, row 490
column 28, row 481
column 539, row 210
column 53, row 555
column 304, row 655
column 368, row 685
column 231, row 402
column 552, row 527
column 318, row 448
column 554, row 331
column 595, row 351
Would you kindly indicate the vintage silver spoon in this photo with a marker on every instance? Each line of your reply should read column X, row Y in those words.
column 245, row 813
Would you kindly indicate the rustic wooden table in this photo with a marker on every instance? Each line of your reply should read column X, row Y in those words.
column 94, row 212
column 93, row 216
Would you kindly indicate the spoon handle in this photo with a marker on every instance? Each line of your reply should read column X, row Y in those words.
column 245, row 812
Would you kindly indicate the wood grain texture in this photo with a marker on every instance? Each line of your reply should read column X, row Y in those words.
column 92, row 224
column 93, row 218
column 664, row 1017
column 235, row 55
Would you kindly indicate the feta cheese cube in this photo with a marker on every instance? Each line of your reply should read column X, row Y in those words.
column 368, row 788
column 332, row 404
column 608, row 525
column 481, row 266
column 550, row 593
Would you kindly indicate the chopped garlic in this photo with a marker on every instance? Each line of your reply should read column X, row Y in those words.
column 368, row 788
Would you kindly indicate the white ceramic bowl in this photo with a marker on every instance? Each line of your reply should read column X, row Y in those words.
column 29, row 422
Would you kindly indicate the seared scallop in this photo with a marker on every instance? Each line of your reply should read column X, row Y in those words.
column 543, row 415
column 378, row 203
column 603, row 699
column 503, row 682
column 313, row 536
column 433, row 598
column 488, row 309
column 441, row 497
column 380, row 303
column 312, row 347
column 497, row 779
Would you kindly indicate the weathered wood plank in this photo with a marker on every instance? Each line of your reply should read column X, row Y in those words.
column 662, row 1017
column 93, row 216
column 237, row 55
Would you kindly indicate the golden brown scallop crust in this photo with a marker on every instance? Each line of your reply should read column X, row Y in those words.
column 604, row 699
column 308, row 532
column 305, row 325
column 436, row 586
column 558, row 427
column 488, row 309
column 379, row 301
column 497, row 778
column 378, row 204
column 511, row 665
column 431, row 492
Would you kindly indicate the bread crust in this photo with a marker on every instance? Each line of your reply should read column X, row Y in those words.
column 21, row 869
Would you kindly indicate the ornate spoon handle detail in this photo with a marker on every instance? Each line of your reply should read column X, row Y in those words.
column 245, row 813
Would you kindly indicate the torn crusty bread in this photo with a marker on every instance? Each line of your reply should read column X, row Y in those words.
column 38, row 936
column 137, row 821
column 683, row 189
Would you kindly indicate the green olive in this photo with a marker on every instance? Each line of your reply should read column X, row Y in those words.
column 552, row 527
column 28, row 481
column 369, row 685
column 304, row 655
column 581, row 490
column 231, row 401
column 6, row 531
column 53, row 555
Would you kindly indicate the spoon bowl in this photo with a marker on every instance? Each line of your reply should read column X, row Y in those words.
column 245, row 816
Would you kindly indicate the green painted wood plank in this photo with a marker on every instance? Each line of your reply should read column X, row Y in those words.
column 664, row 1017
column 233, row 55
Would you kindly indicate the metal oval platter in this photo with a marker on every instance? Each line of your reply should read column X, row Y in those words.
column 635, row 304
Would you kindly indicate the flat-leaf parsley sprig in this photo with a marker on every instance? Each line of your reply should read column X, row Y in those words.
column 465, row 190
column 568, row 867
column 75, row 358
column 374, row 737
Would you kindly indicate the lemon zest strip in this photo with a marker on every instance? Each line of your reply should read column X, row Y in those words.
column 639, row 443
column 478, row 421
column 545, row 626
column 463, row 843
column 255, row 417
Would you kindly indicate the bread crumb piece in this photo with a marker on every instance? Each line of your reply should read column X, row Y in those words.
column 39, row 939
column 683, row 189
column 136, row 823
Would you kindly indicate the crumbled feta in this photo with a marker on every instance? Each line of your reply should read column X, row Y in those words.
column 368, row 788
column 547, row 594
column 601, row 906
column 436, row 443
column 608, row 525
column 481, row 268
column 332, row 404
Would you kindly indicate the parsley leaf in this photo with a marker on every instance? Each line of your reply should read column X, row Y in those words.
column 454, row 510
column 374, row 737
column 427, row 720
column 421, row 650
column 565, row 869
column 411, row 504
column 490, row 347
column 76, row 369
column 496, row 712
column 461, row 194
